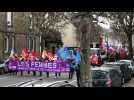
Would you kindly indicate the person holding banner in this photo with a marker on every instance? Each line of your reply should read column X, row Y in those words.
column 77, row 69
column 57, row 57
column 50, row 57
column 28, row 60
column 16, row 58
column 32, row 57
column 71, row 59
column 44, row 54
column 23, row 57
column 13, row 56
column 77, row 66
column 45, row 57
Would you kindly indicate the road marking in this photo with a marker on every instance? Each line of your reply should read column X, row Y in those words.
column 73, row 81
column 12, row 85
column 4, row 77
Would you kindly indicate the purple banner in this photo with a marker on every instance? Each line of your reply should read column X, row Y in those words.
column 42, row 66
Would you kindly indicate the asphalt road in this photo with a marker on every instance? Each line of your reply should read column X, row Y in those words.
column 9, row 80
column 130, row 83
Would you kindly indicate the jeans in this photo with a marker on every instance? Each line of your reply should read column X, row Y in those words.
column 71, row 73
column 21, row 72
column 34, row 73
column 40, row 73
column 56, row 74
column 78, row 75
column 47, row 74
column 28, row 72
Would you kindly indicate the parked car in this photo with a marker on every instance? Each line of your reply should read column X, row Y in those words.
column 2, row 68
column 44, row 83
column 125, row 70
column 130, row 64
column 106, row 77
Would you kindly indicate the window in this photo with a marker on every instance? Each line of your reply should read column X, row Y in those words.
column 31, row 22
column 9, row 18
column 96, row 74
column 125, row 62
column 13, row 43
column 31, row 44
column 6, row 44
column 31, row 25
column 28, row 44
column 115, row 74
column 40, row 43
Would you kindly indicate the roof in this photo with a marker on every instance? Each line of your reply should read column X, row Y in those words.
column 94, row 48
column 113, row 63
column 102, row 68
column 126, row 60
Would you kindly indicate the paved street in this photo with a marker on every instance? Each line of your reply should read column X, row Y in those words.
column 7, row 79
column 130, row 83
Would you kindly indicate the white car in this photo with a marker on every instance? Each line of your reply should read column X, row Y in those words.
column 130, row 63
column 2, row 68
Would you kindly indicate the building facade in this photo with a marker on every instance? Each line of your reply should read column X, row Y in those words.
column 2, row 32
column 18, row 30
column 16, row 33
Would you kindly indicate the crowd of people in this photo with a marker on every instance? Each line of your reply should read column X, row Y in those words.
column 116, row 55
column 72, row 56
column 112, row 55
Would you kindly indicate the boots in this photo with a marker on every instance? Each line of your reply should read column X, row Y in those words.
column 34, row 73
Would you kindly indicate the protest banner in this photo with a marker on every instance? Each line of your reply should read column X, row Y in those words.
column 41, row 66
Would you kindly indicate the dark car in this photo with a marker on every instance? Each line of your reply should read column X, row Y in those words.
column 130, row 64
column 106, row 77
column 124, row 68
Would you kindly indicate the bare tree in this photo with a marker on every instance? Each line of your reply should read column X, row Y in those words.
column 124, row 22
column 45, row 22
column 85, row 70
column 86, row 29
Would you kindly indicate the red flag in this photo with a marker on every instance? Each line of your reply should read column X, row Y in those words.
column 24, row 53
column 32, row 55
column 50, row 55
column 44, row 54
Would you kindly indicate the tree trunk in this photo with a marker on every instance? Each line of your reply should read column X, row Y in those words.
column 130, row 48
column 85, row 72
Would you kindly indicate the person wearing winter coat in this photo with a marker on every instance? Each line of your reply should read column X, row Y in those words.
column 71, row 60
